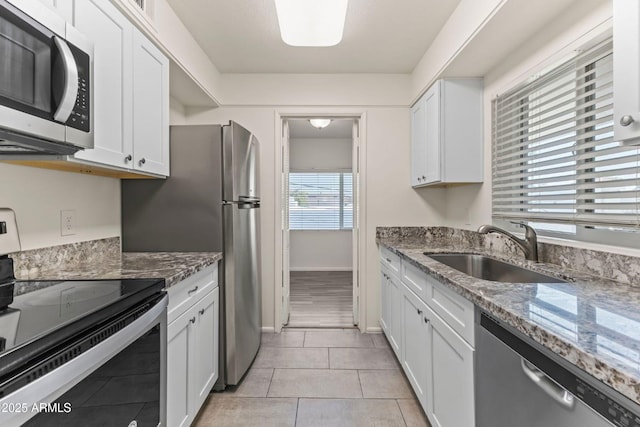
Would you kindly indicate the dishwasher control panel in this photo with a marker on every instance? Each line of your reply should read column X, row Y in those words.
column 605, row 406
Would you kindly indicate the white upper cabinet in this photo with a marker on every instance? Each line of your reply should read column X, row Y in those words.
column 64, row 8
column 150, row 107
column 112, row 35
column 626, row 71
column 130, row 93
column 446, row 134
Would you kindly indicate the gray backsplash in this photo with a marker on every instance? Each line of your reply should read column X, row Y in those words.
column 621, row 268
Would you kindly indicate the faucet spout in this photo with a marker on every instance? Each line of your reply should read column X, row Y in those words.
column 529, row 244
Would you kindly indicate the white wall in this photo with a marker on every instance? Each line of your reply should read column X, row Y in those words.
column 390, row 198
column 469, row 206
column 321, row 250
column 38, row 195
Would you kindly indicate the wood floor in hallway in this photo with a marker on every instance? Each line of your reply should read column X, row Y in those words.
column 321, row 299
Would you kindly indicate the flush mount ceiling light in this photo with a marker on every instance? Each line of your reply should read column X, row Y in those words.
column 311, row 22
column 320, row 123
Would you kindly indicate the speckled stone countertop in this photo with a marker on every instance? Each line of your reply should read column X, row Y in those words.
column 592, row 322
column 102, row 259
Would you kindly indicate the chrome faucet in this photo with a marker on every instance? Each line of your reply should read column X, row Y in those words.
column 529, row 244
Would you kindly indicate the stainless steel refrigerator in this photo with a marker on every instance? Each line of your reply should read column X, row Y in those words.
column 210, row 202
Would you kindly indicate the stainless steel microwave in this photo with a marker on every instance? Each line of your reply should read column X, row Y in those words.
column 45, row 82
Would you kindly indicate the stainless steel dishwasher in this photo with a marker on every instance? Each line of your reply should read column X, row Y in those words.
column 519, row 383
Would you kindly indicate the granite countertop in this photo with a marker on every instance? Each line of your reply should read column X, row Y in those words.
column 173, row 267
column 592, row 322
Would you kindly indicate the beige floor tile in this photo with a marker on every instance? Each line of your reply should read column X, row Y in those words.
column 284, row 339
column 349, row 412
column 380, row 341
column 315, row 383
column 344, row 338
column 247, row 411
column 413, row 414
column 254, row 384
column 362, row 358
column 289, row 357
column 385, row 383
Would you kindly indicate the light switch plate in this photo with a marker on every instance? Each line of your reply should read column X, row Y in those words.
column 67, row 222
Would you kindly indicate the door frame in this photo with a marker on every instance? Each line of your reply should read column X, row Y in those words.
column 333, row 113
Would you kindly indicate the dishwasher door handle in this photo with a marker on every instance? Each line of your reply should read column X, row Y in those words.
column 556, row 392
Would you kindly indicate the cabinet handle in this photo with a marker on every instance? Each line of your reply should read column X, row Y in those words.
column 419, row 179
column 128, row 158
column 142, row 161
column 426, row 320
column 424, row 178
column 626, row 120
column 201, row 312
column 193, row 319
column 388, row 260
column 190, row 291
column 419, row 312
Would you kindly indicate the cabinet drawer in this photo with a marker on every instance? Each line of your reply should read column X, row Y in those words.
column 454, row 309
column 390, row 260
column 415, row 279
column 184, row 294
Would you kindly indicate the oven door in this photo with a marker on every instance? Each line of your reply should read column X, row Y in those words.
column 41, row 75
column 119, row 382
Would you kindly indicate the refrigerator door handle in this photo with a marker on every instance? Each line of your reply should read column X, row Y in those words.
column 242, row 204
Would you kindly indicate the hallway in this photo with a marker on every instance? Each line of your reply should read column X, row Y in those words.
column 321, row 299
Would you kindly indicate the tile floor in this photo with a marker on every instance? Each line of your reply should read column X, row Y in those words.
column 318, row 377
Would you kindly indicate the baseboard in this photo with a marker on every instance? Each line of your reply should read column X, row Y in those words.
column 374, row 330
column 320, row 269
column 268, row 329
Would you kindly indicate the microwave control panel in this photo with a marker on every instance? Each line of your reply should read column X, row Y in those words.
column 81, row 115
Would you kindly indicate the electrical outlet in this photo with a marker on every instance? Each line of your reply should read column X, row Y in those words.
column 67, row 223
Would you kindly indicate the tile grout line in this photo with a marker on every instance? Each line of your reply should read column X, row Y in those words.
column 295, row 420
column 270, row 382
column 360, row 382
column 401, row 413
column 329, row 357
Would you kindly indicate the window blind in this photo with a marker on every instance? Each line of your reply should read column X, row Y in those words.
column 554, row 156
column 320, row 201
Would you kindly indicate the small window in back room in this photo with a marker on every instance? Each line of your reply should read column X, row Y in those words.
column 555, row 162
column 320, row 201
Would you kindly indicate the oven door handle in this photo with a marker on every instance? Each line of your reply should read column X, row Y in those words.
column 70, row 91
column 553, row 390
column 49, row 387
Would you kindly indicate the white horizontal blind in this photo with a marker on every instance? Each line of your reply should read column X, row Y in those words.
column 320, row 201
column 554, row 156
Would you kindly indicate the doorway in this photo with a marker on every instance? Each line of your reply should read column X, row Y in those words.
column 320, row 227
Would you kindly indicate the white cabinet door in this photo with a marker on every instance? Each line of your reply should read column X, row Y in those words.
column 415, row 342
column 150, row 107
column 450, row 398
column 205, row 367
column 395, row 315
column 384, row 301
column 432, row 140
column 418, row 147
column 626, row 71
column 112, row 35
column 179, row 364
column 64, row 8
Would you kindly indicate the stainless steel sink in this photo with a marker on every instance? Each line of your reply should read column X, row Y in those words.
column 486, row 268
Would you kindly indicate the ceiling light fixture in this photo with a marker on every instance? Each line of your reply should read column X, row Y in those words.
column 320, row 123
column 311, row 22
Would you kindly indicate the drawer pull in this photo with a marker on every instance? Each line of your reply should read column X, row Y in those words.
column 426, row 320
column 419, row 312
column 190, row 291
column 193, row 319
column 201, row 312
column 389, row 260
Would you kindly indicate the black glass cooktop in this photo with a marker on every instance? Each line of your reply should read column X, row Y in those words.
column 33, row 310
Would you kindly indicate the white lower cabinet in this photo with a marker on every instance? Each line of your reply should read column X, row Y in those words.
column 192, row 345
column 436, row 357
column 391, row 307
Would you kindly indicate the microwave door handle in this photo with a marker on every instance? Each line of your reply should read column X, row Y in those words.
column 70, row 91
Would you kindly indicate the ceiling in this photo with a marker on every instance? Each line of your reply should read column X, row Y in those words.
column 339, row 128
column 380, row 36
